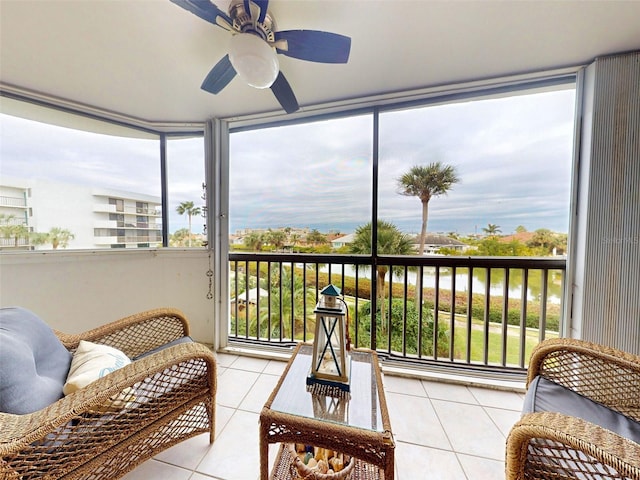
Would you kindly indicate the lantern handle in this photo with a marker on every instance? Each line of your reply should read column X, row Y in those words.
column 348, row 337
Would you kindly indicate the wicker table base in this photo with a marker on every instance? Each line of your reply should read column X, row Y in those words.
column 283, row 468
column 356, row 424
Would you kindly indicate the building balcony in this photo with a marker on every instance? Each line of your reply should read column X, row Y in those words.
column 127, row 210
column 11, row 243
column 127, row 225
column 108, row 224
column 13, row 202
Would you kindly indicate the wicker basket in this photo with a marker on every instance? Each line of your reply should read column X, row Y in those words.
column 306, row 473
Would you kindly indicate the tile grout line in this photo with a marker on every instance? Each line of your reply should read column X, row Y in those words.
column 484, row 408
column 448, row 438
column 235, row 410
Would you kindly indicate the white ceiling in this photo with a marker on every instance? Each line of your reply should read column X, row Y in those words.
column 146, row 59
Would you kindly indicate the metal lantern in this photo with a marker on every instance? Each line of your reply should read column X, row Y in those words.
column 330, row 361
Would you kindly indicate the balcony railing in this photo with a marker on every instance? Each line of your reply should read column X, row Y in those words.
column 12, row 243
column 6, row 201
column 126, row 210
column 477, row 313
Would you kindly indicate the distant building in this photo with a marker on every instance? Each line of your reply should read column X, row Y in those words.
column 97, row 217
column 250, row 297
column 343, row 240
column 522, row 237
column 434, row 242
column 126, row 220
column 236, row 239
column 14, row 211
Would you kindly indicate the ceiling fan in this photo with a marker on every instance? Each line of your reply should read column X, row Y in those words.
column 255, row 42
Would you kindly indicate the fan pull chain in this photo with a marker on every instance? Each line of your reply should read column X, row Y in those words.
column 210, row 275
column 204, row 210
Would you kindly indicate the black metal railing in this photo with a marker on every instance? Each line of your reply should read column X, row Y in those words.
column 484, row 313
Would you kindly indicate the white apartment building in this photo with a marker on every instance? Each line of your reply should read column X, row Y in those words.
column 96, row 217
column 13, row 211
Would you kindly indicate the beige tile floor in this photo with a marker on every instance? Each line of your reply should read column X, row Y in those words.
column 442, row 431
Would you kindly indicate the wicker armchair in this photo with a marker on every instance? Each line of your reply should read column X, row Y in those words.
column 551, row 445
column 173, row 390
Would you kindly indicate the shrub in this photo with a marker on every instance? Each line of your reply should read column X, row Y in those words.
column 404, row 329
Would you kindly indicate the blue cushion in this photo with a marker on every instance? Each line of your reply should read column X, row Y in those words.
column 33, row 362
column 546, row 396
column 177, row 341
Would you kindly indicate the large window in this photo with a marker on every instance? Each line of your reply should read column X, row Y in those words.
column 442, row 182
column 297, row 188
column 509, row 158
column 185, row 170
column 489, row 176
column 76, row 182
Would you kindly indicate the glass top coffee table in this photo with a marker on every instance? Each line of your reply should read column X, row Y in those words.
column 354, row 423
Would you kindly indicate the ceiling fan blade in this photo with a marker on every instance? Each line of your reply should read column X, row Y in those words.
column 207, row 11
column 219, row 76
column 313, row 45
column 262, row 6
column 283, row 92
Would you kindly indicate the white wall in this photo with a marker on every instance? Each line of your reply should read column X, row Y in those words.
column 74, row 291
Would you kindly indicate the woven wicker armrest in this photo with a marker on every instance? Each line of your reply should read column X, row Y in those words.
column 135, row 334
column 553, row 445
column 606, row 375
column 72, row 434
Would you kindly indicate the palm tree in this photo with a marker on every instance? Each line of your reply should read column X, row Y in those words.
column 287, row 289
column 545, row 239
column 293, row 238
column 18, row 232
column 190, row 210
column 38, row 238
column 276, row 238
column 11, row 229
column 59, row 237
column 390, row 241
column 426, row 182
column 491, row 229
column 254, row 241
column 6, row 220
column 316, row 238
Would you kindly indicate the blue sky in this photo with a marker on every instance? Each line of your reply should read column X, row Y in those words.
column 512, row 154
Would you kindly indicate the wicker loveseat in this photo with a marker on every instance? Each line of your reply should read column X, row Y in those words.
column 164, row 396
column 581, row 416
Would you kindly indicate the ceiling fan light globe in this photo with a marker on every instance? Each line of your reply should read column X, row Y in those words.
column 254, row 60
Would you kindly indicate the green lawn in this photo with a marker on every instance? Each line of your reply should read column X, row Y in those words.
column 495, row 343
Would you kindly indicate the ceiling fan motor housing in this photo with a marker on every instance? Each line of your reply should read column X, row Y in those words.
column 244, row 23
